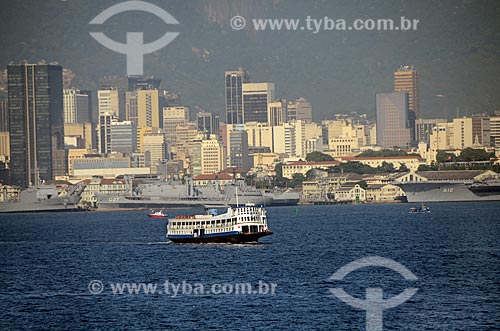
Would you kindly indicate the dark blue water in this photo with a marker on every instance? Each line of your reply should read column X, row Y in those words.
column 48, row 260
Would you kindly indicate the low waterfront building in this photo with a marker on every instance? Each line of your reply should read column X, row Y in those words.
column 264, row 159
column 111, row 166
column 410, row 161
column 302, row 167
column 312, row 190
column 443, row 175
column 100, row 185
column 209, row 179
column 350, row 192
column 323, row 187
column 346, row 146
column 383, row 192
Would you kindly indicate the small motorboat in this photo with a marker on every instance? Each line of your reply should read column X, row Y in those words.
column 421, row 210
column 157, row 214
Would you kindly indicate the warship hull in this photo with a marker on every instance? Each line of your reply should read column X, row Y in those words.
column 37, row 208
column 447, row 192
column 108, row 202
column 42, row 199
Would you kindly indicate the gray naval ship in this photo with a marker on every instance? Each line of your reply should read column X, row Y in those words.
column 174, row 194
column 42, row 198
column 451, row 186
column 283, row 198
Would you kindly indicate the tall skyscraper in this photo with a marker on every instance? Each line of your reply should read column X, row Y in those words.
column 234, row 81
column 481, row 131
column 104, row 132
column 153, row 145
column 206, row 156
column 131, row 111
column 36, row 123
column 92, row 116
column 123, row 137
column 172, row 117
column 76, row 106
column 495, row 130
column 462, row 133
column 256, row 97
column 392, row 120
column 303, row 110
column 277, row 112
column 208, row 123
column 109, row 101
column 406, row 80
column 148, row 109
column 238, row 148
column 4, row 116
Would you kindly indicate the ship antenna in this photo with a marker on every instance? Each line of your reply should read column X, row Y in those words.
column 237, row 202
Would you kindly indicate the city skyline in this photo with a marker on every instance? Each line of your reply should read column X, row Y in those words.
column 144, row 118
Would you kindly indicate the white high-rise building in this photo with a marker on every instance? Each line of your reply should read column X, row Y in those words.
column 108, row 101
column 206, row 156
column 123, row 137
column 495, row 130
column 154, row 146
column 462, row 133
column 442, row 137
column 173, row 116
column 75, row 106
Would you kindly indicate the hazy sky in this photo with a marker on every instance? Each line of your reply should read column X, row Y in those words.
column 455, row 49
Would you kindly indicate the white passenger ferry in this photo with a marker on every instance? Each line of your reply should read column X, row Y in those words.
column 237, row 225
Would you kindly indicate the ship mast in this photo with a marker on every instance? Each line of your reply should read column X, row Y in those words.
column 237, row 202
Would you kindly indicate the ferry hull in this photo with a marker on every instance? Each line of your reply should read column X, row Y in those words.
column 444, row 192
column 236, row 238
